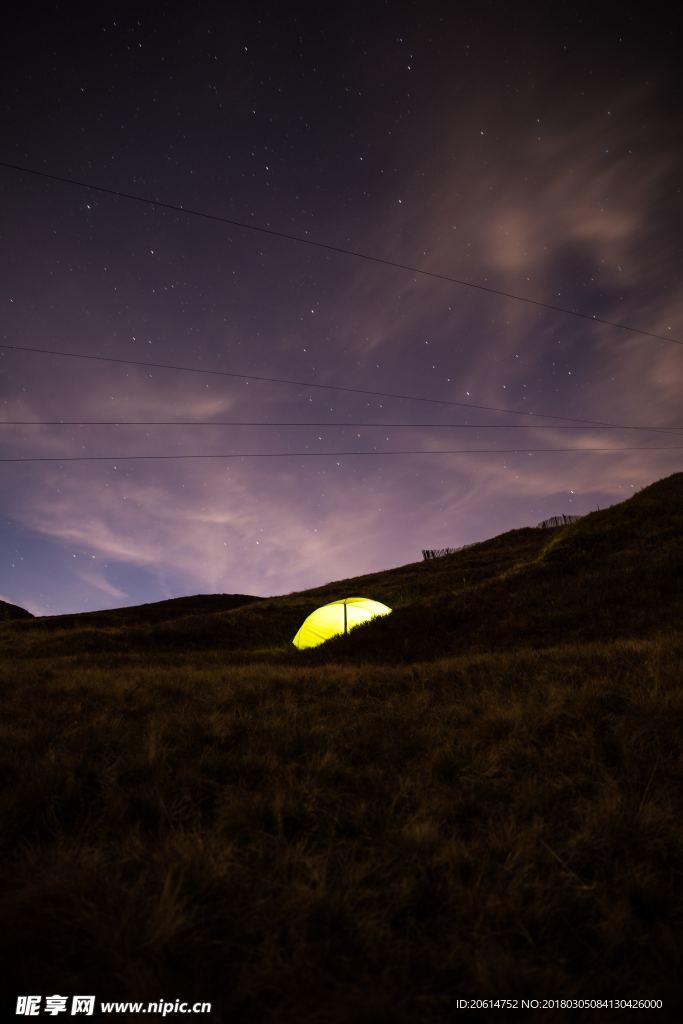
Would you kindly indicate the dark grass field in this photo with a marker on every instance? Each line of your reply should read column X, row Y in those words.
column 478, row 795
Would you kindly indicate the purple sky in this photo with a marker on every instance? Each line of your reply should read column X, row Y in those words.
column 533, row 153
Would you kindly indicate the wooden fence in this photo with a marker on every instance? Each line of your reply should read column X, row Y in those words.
column 428, row 553
column 556, row 521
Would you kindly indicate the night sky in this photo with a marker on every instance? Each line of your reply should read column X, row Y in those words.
column 531, row 150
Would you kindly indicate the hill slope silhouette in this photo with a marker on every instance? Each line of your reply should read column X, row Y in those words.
column 613, row 573
column 12, row 611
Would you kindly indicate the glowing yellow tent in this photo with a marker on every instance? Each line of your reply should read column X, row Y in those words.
column 335, row 618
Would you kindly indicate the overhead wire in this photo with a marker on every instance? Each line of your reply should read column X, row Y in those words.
column 673, row 432
column 564, row 420
column 206, row 215
column 298, row 455
column 324, row 387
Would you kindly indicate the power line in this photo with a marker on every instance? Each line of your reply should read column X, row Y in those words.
column 298, row 455
column 322, row 387
column 674, row 432
column 334, row 248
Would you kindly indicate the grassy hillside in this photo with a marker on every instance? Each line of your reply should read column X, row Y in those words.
column 529, row 586
column 614, row 573
column 159, row 611
column 479, row 794
column 12, row 611
column 264, row 625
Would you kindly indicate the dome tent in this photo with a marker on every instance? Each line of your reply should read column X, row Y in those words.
column 336, row 618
